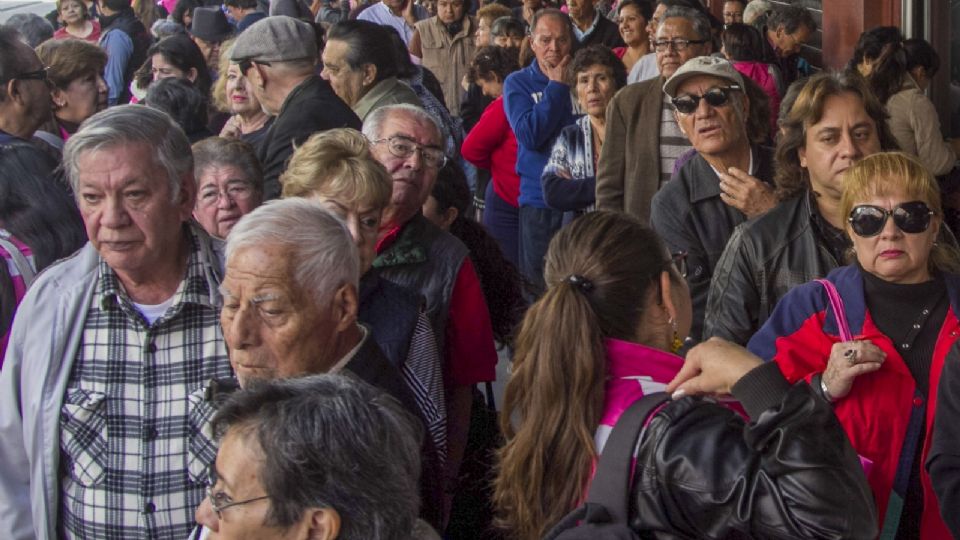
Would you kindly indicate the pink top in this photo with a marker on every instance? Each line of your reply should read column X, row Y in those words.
column 760, row 73
column 19, row 285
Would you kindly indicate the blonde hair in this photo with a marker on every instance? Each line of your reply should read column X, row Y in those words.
column 337, row 163
column 883, row 173
column 219, row 91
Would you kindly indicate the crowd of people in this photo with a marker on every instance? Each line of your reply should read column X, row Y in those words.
column 261, row 259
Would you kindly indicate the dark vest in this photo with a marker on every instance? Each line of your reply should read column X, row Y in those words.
column 391, row 313
column 426, row 259
column 126, row 21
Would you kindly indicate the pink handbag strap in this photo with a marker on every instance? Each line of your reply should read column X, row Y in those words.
column 836, row 303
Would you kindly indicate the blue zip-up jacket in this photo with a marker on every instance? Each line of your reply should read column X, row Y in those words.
column 537, row 109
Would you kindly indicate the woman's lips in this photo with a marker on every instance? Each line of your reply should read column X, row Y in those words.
column 891, row 253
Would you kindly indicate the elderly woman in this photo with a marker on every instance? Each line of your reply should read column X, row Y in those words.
column 77, row 22
column 877, row 355
column 336, row 169
column 75, row 69
column 233, row 93
column 633, row 17
column 569, row 179
column 491, row 145
column 229, row 183
column 445, row 43
column 361, row 65
column 613, row 315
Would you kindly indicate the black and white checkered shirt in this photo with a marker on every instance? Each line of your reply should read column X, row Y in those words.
column 134, row 459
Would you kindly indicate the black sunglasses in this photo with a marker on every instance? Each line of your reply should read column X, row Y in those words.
column 39, row 75
column 718, row 96
column 910, row 217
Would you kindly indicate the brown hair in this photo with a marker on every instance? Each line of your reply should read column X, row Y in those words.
column 492, row 12
column 792, row 179
column 880, row 174
column 219, row 151
column 70, row 59
column 555, row 393
column 338, row 164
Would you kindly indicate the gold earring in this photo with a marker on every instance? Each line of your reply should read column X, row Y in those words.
column 676, row 344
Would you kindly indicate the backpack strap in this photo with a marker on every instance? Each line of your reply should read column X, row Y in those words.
column 610, row 487
column 21, row 262
column 836, row 304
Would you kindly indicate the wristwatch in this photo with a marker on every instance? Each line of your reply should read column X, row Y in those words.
column 823, row 388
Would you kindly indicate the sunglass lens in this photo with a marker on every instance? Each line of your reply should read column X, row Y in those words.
column 867, row 221
column 716, row 97
column 912, row 217
column 686, row 104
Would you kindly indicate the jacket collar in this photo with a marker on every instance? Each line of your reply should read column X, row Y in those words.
column 624, row 357
column 706, row 188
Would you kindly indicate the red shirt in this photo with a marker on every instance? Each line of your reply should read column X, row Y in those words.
column 491, row 145
column 469, row 354
column 94, row 36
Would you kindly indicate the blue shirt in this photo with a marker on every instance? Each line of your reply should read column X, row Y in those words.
column 119, row 49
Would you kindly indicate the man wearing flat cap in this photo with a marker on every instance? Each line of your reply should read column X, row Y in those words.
column 279, row 56
column 727, row 181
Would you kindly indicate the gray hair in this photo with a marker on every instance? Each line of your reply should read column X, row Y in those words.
column 132, row 124
column 323, row 253
column 219, row 151
column 373, row 124
column 33, row 28
column 700, row 22
column 331, row 441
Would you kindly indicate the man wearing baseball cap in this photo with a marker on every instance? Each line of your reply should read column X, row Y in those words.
column 279, row 56
column 727, row 181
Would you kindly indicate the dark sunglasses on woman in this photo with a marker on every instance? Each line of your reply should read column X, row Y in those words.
column 910, row 217
column 718, row 96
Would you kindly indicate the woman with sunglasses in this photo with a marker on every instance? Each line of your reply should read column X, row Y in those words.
column 901, row 300
column 606, row 332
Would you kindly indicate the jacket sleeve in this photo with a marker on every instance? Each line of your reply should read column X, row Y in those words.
column 733, row 300
column 561, row 191
column 491, row 129
column 790, row 473
column 943, row 461
column 536, row 123
column 610, row 166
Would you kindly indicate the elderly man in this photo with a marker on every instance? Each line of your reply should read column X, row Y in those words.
column 590, row 27
column 97, row 435
column 290, row 308
column 642, row 139
column 25, row 102
column 538, row 105
column 327, row 456
column 279, row 55
column 733, row 11
column 787, row 30
column 727, row 181
column 415, row 253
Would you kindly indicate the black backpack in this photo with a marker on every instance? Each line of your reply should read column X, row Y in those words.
column 604, row 515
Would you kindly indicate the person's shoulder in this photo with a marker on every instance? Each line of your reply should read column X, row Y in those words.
column 64, row 275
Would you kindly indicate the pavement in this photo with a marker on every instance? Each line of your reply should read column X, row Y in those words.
column 12, row 7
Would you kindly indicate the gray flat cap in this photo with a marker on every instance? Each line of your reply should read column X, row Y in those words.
column 703, row 65
column 276, row 39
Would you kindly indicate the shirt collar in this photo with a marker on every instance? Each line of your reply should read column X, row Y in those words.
column 342, row 363
column 708, row 189
column 581, row 35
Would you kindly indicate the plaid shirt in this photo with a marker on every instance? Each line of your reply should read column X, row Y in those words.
column 134, row 459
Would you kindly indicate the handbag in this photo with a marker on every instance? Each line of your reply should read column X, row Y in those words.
column 605, row 514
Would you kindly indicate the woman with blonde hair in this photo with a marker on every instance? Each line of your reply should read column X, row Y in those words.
column 233, row 93
column 605, row 333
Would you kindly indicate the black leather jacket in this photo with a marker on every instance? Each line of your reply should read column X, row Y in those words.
column 702, row 472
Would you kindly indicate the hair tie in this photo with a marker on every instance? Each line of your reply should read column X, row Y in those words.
column 581, row 282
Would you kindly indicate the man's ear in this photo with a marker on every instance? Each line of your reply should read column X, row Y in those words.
column 369, row 74
column 192, row 74
column 448, row 217
column 187, row 197
column 322, row 524
column 345, row 306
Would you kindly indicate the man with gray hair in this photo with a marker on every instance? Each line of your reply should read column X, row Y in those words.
column 279, row 56
column 97, row 434
column 642, row 139
column 290, row 307
column 33, row 28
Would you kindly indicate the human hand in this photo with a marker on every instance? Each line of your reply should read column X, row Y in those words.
column 231, row 129
column 745, row 193
column 408, row 13
column 558, row 72
column 848, row 360
column 712, row 368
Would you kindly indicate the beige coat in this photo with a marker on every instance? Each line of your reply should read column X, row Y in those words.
column 447, row 57
column 916, row 127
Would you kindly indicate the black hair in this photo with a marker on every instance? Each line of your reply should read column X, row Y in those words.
column 598, row 55
column 242, row 4
column 183, row 53
column 182, row 101
column 742, row 43
column 367, row 43
column 791, row 18
column 882, row 46
column 499, row 279
column 12, row 62
column 183, row 8
column 501, row 61
column 507, row 26
column 645, row 7
column 921, row 54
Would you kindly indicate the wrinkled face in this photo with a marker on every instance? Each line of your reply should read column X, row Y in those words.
column 35, row 93
column 844, row 135
column 787, row 44
column 550, row 41
column 733, row 12
column 82, row 98
column 482, row 37
column 71, row 12
column 240, row 92
column 413, row 179
column 633, row 27
column 210, row 51
column 714, row 130
column 347, row 82
column 508, row 41
column 273, row 327
column 363, row 221
column 163, row 69
column 449, row 11
column 492, row 87
column 580, row 9
column 595, row 89
column 671, row 58
column 225, row 195
column 128, row 210
column 894, row 255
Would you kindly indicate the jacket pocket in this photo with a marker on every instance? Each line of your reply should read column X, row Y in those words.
column 202, row 447
column 83, row 437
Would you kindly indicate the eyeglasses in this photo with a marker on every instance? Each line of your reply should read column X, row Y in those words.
column 910, row 217
column 38, row 75
column 402, row 147
column 678, row 45
column 248, row 63
column 679, row 261
column 718, row 96
column 236, row 192
column 220, row 501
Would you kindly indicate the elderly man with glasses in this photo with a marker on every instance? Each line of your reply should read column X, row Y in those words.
column 25, row 102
